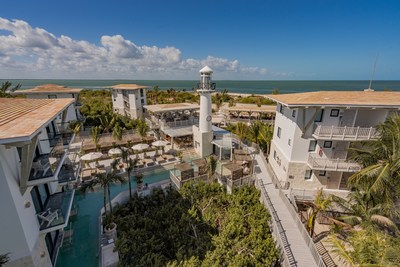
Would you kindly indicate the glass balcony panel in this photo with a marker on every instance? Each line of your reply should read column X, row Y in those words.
column 56, row 211
column 45, row 166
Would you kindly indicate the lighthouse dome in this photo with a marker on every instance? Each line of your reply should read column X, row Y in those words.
column 206, row 69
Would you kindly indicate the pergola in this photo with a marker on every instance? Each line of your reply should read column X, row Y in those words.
column 249, row 110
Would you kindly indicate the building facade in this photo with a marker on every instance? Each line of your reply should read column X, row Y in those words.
column 35, row 170
column 53, row 91
column 129, row 99
column 313, row 132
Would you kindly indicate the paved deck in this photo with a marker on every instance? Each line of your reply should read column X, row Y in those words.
column 291, row 236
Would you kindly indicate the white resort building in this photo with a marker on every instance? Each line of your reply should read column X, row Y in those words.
column 53, row 91
column 35, row 169
column 129, row 99
column 314, row 130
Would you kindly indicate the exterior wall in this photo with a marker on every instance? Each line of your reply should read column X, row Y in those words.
column 17, row 217
column 202, row 142
column 135, row 105
column 205, row 111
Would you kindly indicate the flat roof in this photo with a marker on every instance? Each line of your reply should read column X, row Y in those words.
column 250, row 108
column 48, row 88
column 129, row 86
column 21, row 119
column 388, row 99
column 171, row 107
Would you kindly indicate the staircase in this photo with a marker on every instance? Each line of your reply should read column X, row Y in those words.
column 325, row 255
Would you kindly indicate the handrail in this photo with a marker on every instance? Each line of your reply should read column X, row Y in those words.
column 346, row 133
column 319, row 163
column 277, row 229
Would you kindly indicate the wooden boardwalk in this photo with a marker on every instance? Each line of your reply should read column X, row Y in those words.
column 292, row 241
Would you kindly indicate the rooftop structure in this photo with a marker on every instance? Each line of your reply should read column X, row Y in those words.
column 35, row 169
column 21, row 119
column 383, row 99
column 129, row 99
column 314, row 130
column 163, row 108
column 48, row 88
column 54, row 91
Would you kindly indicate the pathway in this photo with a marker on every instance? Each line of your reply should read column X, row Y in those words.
column 296, row 248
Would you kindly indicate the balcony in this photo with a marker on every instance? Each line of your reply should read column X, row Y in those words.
column 56, row 212
column 69, row 172
column 345, row 133
column 178, row 123
column 206, row 86
column 325, row 164
column 45, row 168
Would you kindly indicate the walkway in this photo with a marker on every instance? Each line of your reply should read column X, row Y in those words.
column 295, row 247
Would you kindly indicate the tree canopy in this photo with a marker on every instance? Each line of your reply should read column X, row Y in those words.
column 201, row 225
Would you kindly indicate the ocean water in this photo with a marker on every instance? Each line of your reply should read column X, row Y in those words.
column 249, row 87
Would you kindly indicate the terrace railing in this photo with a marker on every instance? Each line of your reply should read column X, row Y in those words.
column 179, row 183
column 345, row 133
column 326, row 164
column 182, row 123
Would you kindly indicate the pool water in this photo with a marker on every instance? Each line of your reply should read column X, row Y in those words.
column 83, row 248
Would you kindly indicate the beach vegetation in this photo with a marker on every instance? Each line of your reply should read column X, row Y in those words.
column 253, row 99
column 7, row 88
column 199, row 225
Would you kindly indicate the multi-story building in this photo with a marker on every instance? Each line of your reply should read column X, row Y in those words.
column 314, row 130
column 129, row 99
column 53, row 91
column 35, row 173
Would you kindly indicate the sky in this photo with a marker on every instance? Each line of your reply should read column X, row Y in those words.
column 240, row 40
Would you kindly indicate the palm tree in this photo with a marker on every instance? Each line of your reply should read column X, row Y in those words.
column 218, row 100
column 142, row 128
column 320, row 204
column 266, row 135
column 211, row 166
column 156, row 93
column 6, row 89
column 361, row 210
column 131, row 166
column 4, row 258
column 103, row 180
column 96, row 135
column 254, row 131
column 380, row 176
column 241, row 130
column 118, row 132
column 107, row 121
column 75, row 127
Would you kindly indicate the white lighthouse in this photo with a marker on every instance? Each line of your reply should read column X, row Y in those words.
column 203, row 135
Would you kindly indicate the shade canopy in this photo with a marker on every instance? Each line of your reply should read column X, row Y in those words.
column 114, row 151
column 140, row 147
column 159, row 143
column 92, row 156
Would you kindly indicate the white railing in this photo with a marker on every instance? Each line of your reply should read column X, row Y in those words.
column 345, row 133
column 325, row 164
column 179, row 183
column 310, row 194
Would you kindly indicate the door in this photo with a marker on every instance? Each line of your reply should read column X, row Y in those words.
column 348, row 117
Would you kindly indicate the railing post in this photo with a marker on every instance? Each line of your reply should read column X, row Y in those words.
column 344, row 132
column 358, row 128
column 369, row 133
column 331, row 131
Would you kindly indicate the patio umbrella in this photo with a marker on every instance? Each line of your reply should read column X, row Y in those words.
column 92, row 156
column 140, row 147
column 114, row 151
column 159, row 143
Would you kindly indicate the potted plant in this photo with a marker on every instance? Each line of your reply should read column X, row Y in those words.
column 139, row 180
column 110, row 228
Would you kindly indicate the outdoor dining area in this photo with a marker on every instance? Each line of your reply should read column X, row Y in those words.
column 185, row 172
column 143, row 154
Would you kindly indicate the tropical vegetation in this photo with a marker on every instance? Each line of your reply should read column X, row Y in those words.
column 199, row 225
column 6, row 89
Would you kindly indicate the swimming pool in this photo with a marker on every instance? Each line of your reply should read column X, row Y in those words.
column 83, row 249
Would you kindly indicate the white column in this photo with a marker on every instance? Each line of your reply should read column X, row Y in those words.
column 205, row 112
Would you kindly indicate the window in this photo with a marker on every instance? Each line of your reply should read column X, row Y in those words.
column 278, row 132
column 307, row 175
column 281, row 109
column 322, row 173
column 141, row 92
column 52, row 96
column 294, row 113
column 142, row 101
column 312, row 145
column 320, row 114
column 289, row 142
column 327, row 144
column 334, row 113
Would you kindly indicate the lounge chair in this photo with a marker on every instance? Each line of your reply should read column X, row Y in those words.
column 37, row 166
column 48, row 216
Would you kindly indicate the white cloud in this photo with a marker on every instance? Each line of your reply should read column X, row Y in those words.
column 34, row 52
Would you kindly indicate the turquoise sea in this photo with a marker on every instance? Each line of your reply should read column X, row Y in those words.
column 249, row 87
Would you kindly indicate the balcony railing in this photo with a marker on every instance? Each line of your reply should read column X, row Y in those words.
column 59, row 139
column 179, row 183
column 56, row 212
column 206, row 86
column 69, row 172
column 172, row 124
column 325, row 164
column 345, row 133
column 45, row 168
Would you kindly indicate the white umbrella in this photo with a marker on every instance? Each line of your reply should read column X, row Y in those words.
column 114, row 151
column 92, row 156
column 140, row 147
column 159, row 143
